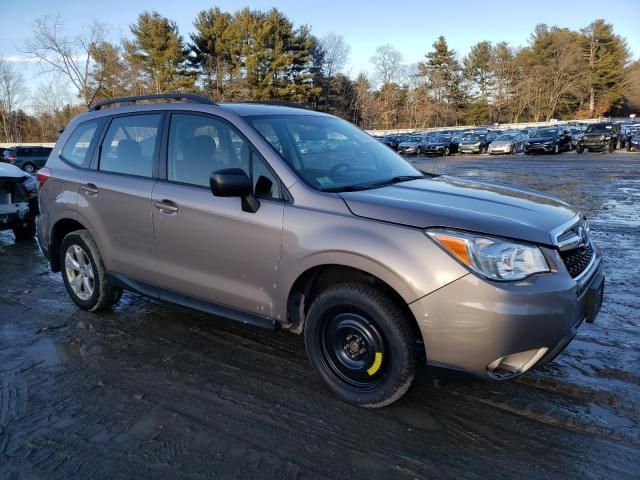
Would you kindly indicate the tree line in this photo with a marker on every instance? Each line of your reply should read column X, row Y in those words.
column 261, row 55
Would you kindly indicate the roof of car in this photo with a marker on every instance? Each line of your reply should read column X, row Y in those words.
column 248, row 109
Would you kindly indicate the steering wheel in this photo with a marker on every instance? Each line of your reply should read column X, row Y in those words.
column 336, row 168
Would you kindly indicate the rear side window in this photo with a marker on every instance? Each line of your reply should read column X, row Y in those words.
column 76, row 149
column 129, row 145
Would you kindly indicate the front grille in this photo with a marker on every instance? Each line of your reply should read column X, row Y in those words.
column 577, row 260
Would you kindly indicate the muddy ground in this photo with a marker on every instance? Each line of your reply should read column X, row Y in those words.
column 155, row 391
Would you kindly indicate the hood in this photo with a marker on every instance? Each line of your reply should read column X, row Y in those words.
column 408, row 144
column 11, row 171
column 501, row 143
column 464, row 204
column 469, row 142
column 438, row 144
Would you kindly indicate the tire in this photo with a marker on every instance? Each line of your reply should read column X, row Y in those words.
column 556, row 149
column 93, row 291
column 29, row 167
column 25, row 231
column 579, row 149
column 610, row 147
column 628, row 146
column 349, row 316
column 446, row 152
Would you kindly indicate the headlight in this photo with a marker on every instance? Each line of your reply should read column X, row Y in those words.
column 494, row 258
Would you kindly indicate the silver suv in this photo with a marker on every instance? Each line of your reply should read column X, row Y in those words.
column 279, row 216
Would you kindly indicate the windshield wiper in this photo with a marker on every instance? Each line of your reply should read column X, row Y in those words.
column 368, row 186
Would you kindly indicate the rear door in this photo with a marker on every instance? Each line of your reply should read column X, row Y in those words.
column 115, row 196
column 208, row 247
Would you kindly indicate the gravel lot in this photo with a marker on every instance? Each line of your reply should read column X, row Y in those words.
column 151, row 390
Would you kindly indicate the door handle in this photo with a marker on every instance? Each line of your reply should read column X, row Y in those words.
column 166, row 206
column 90, row 189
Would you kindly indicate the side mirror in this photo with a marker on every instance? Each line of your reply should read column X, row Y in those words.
column 234, row 182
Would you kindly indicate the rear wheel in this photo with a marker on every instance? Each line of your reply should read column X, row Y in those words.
column 29, row 167
column 84, row 274
column 361, row 345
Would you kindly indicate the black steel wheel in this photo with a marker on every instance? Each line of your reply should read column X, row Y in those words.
column 361, row 345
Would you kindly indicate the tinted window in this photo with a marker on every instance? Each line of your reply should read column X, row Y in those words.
column 200, row 145
column 76, row 149
column 129, row 145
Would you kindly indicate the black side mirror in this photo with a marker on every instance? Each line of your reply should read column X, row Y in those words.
column 234, row 182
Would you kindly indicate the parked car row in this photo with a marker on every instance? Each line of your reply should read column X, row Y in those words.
column 28, row 158
column 605, row 136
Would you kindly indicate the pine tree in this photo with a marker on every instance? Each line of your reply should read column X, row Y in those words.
column 157, row 50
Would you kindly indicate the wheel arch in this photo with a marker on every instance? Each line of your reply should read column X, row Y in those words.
column 60, row 229
column 310, row 283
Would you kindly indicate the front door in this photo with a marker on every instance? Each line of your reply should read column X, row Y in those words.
column 207, row 246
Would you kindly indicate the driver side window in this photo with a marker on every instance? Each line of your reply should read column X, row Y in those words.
column 199, row 145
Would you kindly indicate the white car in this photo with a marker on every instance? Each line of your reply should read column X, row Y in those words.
column 18, row 202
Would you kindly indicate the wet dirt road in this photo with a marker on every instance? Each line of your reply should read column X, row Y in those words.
column 155, row 391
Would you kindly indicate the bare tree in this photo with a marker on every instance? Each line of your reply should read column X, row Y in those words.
column 70, row 57
column 388, row 64
column 336, row 53
column 12, row 94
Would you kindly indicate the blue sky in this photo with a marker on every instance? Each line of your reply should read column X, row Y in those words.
column 410, row 26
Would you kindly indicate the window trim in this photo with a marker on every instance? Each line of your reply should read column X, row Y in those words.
column 95, row 162
column 163, row 164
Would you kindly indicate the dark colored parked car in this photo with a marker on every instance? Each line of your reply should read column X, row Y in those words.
column 599, row 137
column 633, row 141
column 28, row 159
column 627, row 135
column 439, row 145
column 548, row 140
column 219, row 207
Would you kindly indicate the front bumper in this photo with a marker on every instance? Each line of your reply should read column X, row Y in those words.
column 469, row 148
column 408, row 151
column 473, row 324
column 434, row 150
column 539, row 147
column 501, row 149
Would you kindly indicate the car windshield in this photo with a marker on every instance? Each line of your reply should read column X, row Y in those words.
column 544, row 132
column 504, row 138
column 414, row 138
column 598, row 127
column 331, row 154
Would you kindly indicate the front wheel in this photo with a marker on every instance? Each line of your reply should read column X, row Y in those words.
column 84, row 275
column 29, row 167
column 556, row 149
column 611, row 147
column 446, row 152
column 579, row 149
column 361, row 345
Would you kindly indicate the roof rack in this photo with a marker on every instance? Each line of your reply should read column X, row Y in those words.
column 189, row 97
column 279, row 103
